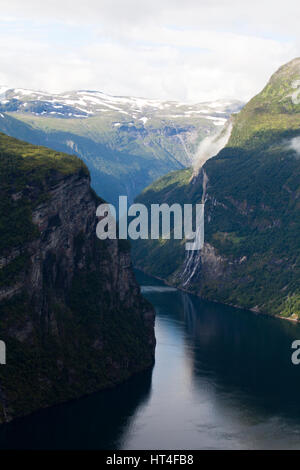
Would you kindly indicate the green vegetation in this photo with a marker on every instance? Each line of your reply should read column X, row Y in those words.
column 25, row 168
column 23, row 157
column 96, row 347
column 292, row 306
column 63, row 339
column 122, row 160
column 252, row 213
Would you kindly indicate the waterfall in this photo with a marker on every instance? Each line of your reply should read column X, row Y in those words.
column 208, row 148
column 194, row 257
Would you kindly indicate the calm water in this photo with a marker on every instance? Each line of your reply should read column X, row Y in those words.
column 223, row 379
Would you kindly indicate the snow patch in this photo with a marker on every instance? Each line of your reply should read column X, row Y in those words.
column 3, row 89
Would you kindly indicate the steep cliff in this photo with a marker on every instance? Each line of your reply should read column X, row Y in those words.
column 71, row 312
column 251, row 255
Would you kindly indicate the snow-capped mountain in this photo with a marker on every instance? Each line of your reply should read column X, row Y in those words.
column 85, row 103
column 126, row 142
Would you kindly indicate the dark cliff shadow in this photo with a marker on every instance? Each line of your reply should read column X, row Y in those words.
column 97, row 421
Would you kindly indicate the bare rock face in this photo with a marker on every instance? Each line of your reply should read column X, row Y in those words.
column 214, row 266
column 73, row 317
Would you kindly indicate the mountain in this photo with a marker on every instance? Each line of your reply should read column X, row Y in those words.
column 71, row 313
column 251, row 189
column 126, row 142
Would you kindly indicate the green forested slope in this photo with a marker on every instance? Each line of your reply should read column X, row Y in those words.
column 71, row 313
column 252, row 211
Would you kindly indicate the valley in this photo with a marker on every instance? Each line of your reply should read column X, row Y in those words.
column 126, row 142
column 77, row 320
column 251, row 189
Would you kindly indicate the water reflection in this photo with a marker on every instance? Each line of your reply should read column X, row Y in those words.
column 247, row 353
column 240, row 387
column 223, row 379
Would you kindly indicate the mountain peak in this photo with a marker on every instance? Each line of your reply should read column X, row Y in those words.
column 282, row 92
column 273, row 111
column 287, row 70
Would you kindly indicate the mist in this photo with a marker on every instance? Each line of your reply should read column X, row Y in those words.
column 294, row 144
column 211, row 145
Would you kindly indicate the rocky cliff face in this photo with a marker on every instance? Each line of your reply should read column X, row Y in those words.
column 251, row 190
column 72, row 315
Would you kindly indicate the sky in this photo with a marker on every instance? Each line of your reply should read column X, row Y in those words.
column 184, row 50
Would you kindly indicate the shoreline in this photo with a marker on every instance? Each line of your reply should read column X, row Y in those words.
column 252, row 310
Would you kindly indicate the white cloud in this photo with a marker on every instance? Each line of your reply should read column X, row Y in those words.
column 191, row 51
